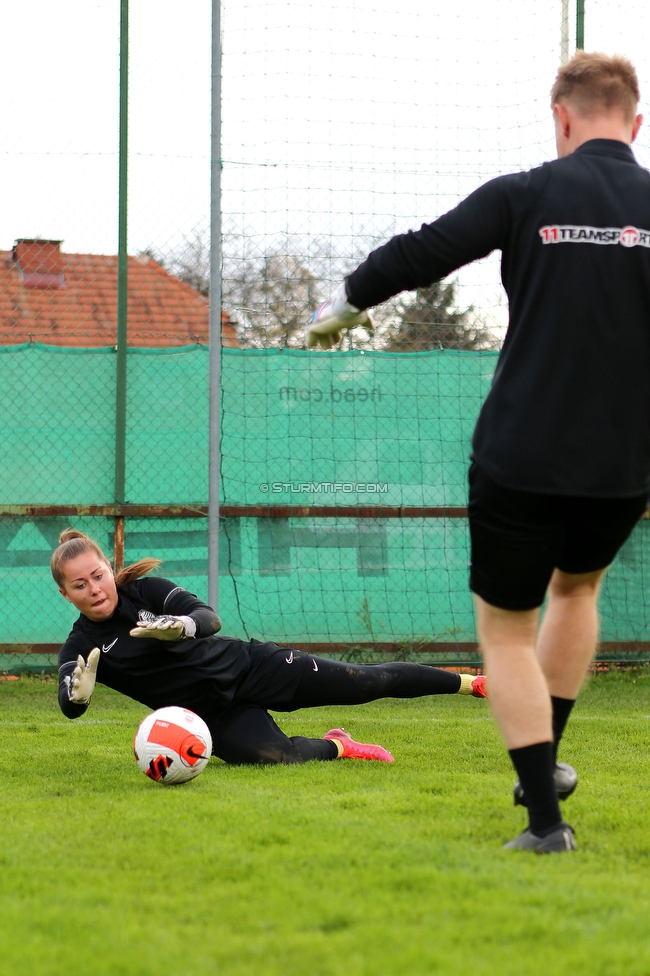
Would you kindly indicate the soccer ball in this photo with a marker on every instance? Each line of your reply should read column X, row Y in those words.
column 172, row 745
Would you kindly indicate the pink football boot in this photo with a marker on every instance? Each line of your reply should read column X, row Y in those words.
column 357, row 750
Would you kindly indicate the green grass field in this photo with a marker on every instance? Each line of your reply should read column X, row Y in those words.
column 330, row 869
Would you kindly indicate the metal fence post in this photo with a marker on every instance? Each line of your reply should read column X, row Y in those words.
column 580, row 25
column 564, row 33
column 215, row 313
column 122, row 287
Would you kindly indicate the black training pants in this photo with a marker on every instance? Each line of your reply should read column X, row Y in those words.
column 245, row 733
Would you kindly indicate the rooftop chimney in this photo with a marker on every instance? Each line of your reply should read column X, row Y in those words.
column 39, row 263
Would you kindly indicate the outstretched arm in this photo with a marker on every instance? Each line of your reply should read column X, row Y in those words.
column 477, row 226
column 417, row 259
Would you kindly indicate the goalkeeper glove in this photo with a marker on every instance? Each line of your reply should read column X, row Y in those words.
column 332, row 317
column 82, row 680
column 165, row 627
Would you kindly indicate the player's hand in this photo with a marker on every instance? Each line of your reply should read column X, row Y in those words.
column 82, row 680
column 165, row 628
column 332, row 317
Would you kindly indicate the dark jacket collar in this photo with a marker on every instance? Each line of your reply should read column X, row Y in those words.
column 607, row 147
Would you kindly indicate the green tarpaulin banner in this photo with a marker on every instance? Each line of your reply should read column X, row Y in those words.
column 298, row 427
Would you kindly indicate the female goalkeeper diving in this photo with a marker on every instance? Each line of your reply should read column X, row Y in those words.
column 156, row 643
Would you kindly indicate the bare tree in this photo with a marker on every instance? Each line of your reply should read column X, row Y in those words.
column 273, row 299
column 270, row 299
column 190, row 261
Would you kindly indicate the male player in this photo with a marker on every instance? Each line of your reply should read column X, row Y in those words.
column 561, row 451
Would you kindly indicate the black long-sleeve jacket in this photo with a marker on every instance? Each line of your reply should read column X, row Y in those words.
column 200, row 673
column 569, row 408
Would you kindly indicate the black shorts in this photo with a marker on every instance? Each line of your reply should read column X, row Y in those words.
column 520, row 537
column 273, row 677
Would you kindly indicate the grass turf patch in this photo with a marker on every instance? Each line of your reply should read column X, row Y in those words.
column 322, row 869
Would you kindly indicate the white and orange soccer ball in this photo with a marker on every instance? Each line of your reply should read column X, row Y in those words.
column 172, row 745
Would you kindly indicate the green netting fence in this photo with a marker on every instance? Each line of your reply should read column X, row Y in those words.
column 316, row 450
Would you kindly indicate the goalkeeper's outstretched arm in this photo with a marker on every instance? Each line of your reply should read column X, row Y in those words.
column 470, row 231
column 417, row 259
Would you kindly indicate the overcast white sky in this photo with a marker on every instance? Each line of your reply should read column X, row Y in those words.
column 341, row 121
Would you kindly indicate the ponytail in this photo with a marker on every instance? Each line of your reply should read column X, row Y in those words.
column 73, row 543
column 136, row 570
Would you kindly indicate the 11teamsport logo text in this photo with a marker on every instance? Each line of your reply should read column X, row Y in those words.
column 572, row 234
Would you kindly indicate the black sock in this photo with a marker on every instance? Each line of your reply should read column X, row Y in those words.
column 323, row 749
column 535, row 766
column 561, row 711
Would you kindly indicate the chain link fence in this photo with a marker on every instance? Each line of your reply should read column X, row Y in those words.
column 343, row 473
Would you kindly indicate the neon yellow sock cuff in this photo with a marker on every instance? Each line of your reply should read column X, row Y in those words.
column 339, row 746
column 465, row 684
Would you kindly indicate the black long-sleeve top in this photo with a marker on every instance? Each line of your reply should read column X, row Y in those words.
column 200, row 673
column 569, row 408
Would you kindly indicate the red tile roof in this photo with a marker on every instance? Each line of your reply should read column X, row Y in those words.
column 64, row 299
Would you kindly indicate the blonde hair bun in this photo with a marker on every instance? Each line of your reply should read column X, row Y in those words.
column 68, row 534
